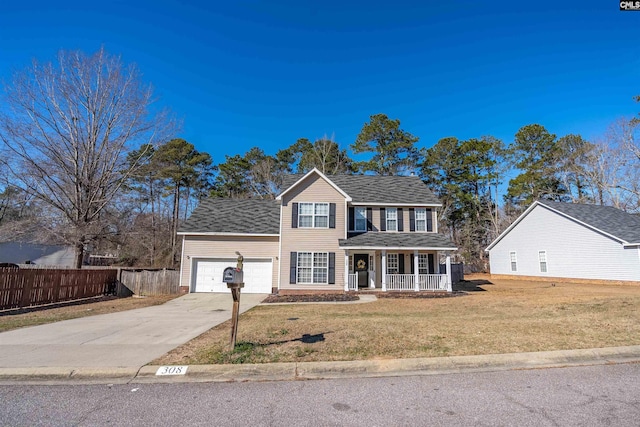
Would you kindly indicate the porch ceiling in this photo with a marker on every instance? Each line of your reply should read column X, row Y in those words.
column 390, row 240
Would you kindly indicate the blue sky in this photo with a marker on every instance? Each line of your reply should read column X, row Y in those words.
column 248, row 73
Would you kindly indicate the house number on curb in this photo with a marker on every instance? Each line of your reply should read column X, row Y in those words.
column 172, row 370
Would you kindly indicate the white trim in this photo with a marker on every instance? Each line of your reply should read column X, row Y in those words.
column 425, row 220
column 536, row 203
column 386, row 219
column 313, row 215
column 313, row 268
column 346, row 220
column 401, row 205
column 215, row 233
column 323, row 176
column 194, row 258
column 546, row 261
column 181, row 264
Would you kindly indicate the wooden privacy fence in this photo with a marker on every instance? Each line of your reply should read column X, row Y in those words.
column 29, row 287
column 151, row 282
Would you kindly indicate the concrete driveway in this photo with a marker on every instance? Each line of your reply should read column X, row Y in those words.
column 126, row 339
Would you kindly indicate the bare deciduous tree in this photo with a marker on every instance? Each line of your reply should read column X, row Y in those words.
column 65, row 131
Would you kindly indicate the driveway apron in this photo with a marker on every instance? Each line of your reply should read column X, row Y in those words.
column 126, row 339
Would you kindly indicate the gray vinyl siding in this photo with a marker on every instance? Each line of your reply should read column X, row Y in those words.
column 573, row 250
column 225, row 247
column 312, row 189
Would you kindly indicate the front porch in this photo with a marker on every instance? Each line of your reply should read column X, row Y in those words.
column 405, row 282
column 396, row 271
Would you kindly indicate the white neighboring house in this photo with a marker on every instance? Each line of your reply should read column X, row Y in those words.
column 569, row 241
column 49, row 255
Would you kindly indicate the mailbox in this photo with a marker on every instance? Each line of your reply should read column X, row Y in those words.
column 232, row 275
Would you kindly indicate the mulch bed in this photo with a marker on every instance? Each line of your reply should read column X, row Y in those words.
column 312, row 298
column 393, row 294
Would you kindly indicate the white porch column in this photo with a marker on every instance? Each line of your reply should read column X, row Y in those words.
column 437, row 261
column 346, row 271
column 383, row 273
column 416, row 272
column 448, row 263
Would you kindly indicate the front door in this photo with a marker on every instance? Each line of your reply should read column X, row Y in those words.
column 361, row 267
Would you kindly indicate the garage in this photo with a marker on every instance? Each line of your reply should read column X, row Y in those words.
column 258, row 274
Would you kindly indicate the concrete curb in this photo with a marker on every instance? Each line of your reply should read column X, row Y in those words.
column 328, row 370
column 65, row 374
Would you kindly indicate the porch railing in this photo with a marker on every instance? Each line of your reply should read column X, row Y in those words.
column 401, row 282
column 407, row 282
column 433, row 282
column 353, row 282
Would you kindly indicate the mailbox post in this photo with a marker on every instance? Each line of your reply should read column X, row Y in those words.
column 233, row 277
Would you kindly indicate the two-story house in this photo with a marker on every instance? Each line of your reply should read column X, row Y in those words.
column 322, row 233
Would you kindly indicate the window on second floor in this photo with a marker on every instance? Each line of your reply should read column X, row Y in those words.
column 514, row 261
column 421, row 219
column 392, row 219
column 313, row 215
column 360, row 219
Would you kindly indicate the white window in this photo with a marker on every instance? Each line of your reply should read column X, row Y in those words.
column 423, row 264
column 392, row 264
column 313, row 267
column 421, row 219
column 392, row 219
column 542, row 257
column 360, row 219
column 514, row 261
column 313, row 215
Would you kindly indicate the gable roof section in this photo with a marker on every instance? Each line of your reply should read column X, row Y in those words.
column 303, row 177
column 617, row 224
column 234, row 216
column 376, row 189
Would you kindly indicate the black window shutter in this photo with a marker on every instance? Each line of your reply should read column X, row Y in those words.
column 429, row 220
column 400, row 220
column 332, row 268
column 412, row 219
column 401, row 263
column 369, row 219
column 432, row 264
column 412, row 264
column 332, row 215
column 293, row 267
column 383, row 219
column 294, row 215
column 352, row 218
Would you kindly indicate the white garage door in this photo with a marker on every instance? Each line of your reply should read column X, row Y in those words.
column 257, row 275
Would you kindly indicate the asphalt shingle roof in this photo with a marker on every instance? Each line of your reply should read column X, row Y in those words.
column 216, row 215
column 397, row 240
column 612, row 221
column 379, row 189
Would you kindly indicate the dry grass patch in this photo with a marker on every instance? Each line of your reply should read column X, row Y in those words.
column 41, row 316
column 508, row 316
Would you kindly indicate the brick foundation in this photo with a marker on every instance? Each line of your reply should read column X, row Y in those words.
column 184, row 289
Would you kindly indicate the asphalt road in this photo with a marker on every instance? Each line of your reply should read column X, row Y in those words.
column 591, row 396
